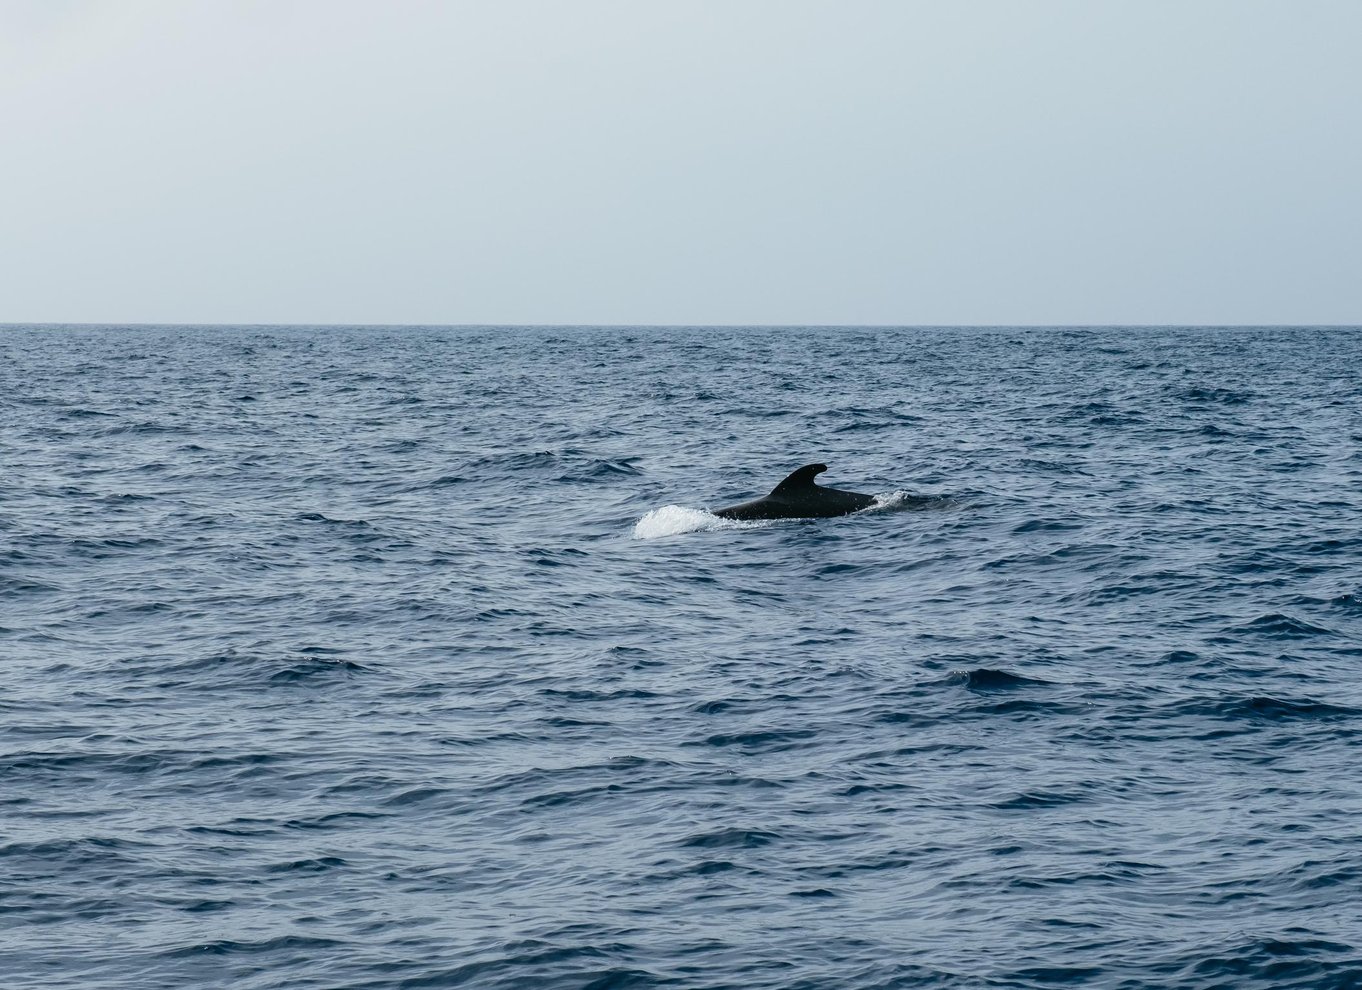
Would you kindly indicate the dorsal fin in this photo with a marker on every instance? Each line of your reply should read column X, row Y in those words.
column 800, row 480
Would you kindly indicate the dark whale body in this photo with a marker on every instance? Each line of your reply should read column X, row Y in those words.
column 797, row 497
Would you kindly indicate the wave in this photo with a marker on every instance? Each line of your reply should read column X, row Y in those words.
column 1278, row 709
column 730, row 837
column 570, row 465
column 1208, row 395
column 1280, row 626
column 316, row 665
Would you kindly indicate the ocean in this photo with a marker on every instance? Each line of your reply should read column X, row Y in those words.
column 398, row 657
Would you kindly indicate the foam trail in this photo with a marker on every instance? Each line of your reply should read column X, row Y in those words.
column 901, row 500
column 673, row 520
column 892, row 500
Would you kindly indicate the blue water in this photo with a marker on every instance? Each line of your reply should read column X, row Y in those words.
column 404, row 657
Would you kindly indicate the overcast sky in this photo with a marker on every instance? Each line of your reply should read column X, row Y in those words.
column 681, row 161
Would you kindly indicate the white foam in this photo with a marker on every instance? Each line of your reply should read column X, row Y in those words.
column 673, row 520
column 892, row 500
column 901, row 501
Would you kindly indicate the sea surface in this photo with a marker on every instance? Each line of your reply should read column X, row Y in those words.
column 398, row 657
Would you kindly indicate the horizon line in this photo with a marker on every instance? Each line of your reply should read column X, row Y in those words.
column 716, row 326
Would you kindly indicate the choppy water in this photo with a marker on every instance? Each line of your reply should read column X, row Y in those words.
column 346, row 658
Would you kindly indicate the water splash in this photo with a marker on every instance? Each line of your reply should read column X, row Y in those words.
column 674, row 520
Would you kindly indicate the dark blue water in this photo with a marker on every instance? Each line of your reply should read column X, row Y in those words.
column 360, row 658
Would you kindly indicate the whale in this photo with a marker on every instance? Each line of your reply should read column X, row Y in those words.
column 797, row 497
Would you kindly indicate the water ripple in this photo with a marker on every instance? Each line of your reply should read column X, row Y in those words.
column 411, row 657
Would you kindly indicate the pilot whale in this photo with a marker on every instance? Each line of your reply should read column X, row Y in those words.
column 797, row 497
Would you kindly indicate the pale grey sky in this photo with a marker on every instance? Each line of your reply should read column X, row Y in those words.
column 681, row 161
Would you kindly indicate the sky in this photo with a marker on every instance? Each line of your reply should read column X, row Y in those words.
column 681, row 161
